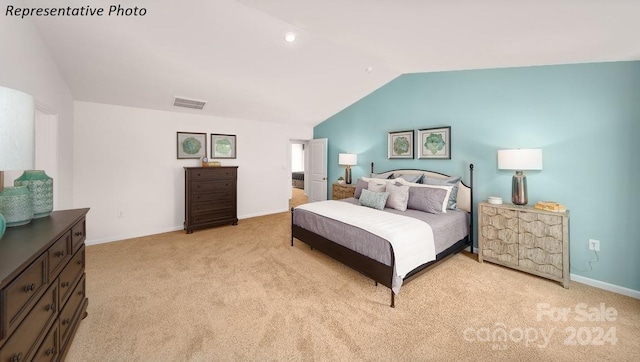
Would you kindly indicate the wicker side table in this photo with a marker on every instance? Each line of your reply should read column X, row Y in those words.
column 342, row 191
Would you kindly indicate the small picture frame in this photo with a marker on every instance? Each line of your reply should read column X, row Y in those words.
column 400, row 144
column 223, row 146
column 434, row 143
column 191, row 145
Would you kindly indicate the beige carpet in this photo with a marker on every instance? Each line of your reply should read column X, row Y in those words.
column 242, row 293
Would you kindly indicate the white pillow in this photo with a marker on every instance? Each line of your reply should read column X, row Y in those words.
column 398, row 196
column 447, row 188
column 380, row 180
column 377, row 184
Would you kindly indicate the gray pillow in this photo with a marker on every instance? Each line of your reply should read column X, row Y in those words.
column 450, row 181
column 360, row 185
column 375, row 200
column 415, row 178
column 426, row 199
column 382, row 176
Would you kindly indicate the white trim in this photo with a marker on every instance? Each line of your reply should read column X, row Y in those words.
column 598, row 284
column 171, row 229
column 132, row 236
column 606, row 286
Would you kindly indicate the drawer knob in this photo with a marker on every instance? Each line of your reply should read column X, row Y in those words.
column 80, row 292
column 29, row 287
column 59, row 254
column 51, row 306
column 16, row 357
column 50, row 351
column 78, row 233
column 64, row 284
column 65, row 321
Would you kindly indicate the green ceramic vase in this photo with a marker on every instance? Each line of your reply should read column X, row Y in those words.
column 41, row 186
column 16, row 205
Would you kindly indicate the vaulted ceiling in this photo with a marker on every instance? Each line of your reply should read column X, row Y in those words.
column 232, row 54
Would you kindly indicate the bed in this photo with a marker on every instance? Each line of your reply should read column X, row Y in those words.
column 297, row 179
column 377, row 243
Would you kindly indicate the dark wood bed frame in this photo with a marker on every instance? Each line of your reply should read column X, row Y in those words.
column 371, row 268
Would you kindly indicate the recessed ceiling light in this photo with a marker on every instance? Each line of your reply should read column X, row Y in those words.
column 368, row 70
column 290, row 37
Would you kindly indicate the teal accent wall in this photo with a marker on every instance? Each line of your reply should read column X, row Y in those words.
column 585, row 117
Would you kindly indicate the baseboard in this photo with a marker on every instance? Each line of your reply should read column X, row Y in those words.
column 606, row 286
column 131, row 236
column 167, row 230
column 600, row 285
column 248, row 216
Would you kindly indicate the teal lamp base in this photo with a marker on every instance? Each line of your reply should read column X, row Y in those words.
column 16, row 205
column 3, row 226
column 41, row 187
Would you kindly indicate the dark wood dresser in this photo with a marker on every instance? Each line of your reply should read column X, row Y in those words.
column 210, row 197
column 42, row 287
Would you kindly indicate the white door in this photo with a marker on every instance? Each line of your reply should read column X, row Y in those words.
column 318, row 170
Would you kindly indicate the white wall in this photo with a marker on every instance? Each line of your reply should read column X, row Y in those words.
column 126, row 161
column 26, row 65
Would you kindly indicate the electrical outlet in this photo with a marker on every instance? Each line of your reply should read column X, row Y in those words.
column 120, row 214
column 594, row 245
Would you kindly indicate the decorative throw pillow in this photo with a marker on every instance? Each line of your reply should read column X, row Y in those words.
column 452, row 204
column 398, row 196
column 375, row 200
column 377, row 186
column 383, row 176
column 415, row 178
column 427, row 199
column 360, row 185
column 443, row 208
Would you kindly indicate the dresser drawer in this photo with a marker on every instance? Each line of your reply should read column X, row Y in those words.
column 70, row 275
column 59, row 254
column 49, row 348
column 26, row 339
column 19, row 296
column 68, row 313
column 78, row 234
column 214, row 216
column 221, row 187
column 212, row 196
column 206, row 207
column 213, row 174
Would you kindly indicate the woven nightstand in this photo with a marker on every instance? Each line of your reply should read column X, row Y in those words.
column 342, row 191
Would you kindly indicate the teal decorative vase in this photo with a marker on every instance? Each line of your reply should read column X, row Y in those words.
column 16, row 205
column 41, row 186
column 3, row 226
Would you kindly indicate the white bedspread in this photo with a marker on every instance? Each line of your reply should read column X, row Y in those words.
column 411, row 239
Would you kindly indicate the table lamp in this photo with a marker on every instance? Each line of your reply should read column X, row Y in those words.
column 520, row 160
column 17, row 152
column 347, row 159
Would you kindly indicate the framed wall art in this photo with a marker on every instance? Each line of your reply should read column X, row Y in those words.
column 191, row 145
column 434, row 143
column 223, row 146
column 400, row 144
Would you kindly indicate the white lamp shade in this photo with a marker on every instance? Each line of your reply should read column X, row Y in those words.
column 17, row 130
column 347, row 159
column 520, row 159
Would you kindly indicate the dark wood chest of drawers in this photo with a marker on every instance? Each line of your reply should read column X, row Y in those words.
column 210, row 197
column 42, row 287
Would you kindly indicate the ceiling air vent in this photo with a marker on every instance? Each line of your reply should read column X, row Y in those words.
column 188, row 103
